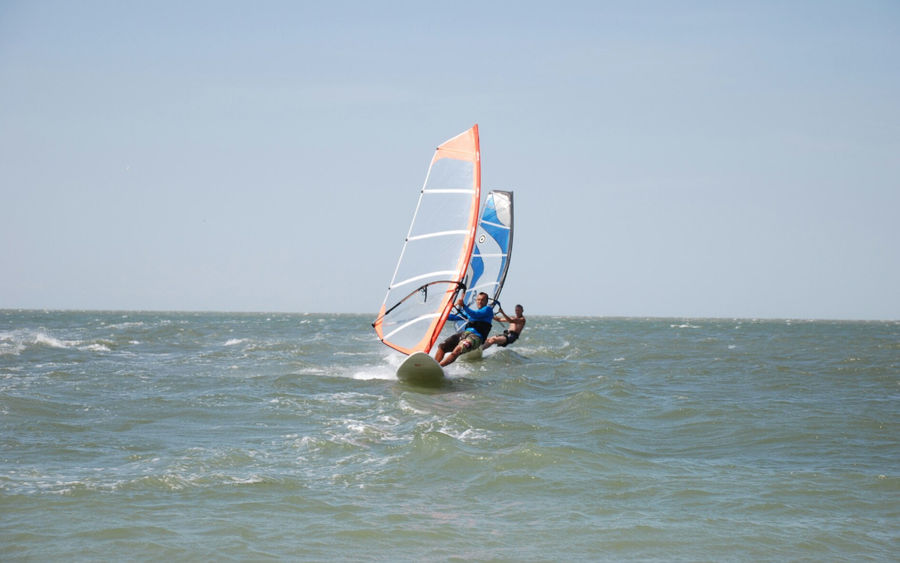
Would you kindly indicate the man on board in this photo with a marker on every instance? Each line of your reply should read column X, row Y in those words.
column 510, row 335
column 475, row 333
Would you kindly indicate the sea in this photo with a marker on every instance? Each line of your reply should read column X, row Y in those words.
column 148, row 436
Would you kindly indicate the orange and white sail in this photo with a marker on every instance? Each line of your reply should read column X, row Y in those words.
column 436, row 253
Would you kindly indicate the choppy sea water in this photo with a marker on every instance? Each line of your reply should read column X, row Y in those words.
column 287, row 437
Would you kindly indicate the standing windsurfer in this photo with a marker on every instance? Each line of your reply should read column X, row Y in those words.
column 510, row 335
column 475, row 333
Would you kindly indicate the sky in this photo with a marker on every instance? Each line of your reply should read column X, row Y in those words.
column 668, row 159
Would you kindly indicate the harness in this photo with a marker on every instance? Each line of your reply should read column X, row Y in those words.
column 483, row 328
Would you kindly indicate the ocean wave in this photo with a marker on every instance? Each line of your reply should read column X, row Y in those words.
column 373, row 372
column 126, row 325
column 17, row 342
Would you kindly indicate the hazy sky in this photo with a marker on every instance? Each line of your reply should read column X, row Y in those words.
column 726, row 159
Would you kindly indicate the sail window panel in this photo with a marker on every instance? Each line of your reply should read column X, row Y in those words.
column 435, row 254
column 451, row 174
column 417, row 280
column 442, row 212
column 408, row 335
column 415, row 312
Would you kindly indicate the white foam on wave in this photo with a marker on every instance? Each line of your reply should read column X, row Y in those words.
column 348, row 398
column 235, row 341
column 378, row 372
column 126, row 325
column 470, row 435
column 17, row 341
column 383, row 372
column 363, row 433
column 43, row 339
column 10, row 345
column 406, row 407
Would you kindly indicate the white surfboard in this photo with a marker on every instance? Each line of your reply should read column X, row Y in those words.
column 420, row 369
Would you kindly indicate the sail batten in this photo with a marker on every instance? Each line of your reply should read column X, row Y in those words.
column 440, row 234
column 429, row 275
column 435, row 255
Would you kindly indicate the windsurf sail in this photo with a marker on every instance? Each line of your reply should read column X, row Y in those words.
column 493, row 248
column 435, row 256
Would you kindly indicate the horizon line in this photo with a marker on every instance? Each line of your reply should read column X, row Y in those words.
column 547, row 315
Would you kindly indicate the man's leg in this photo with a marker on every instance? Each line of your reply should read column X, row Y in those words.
column 451, row 357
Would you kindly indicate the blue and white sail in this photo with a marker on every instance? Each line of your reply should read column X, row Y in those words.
column 493, row 248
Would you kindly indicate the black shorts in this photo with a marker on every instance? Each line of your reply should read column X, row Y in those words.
column 511, row 336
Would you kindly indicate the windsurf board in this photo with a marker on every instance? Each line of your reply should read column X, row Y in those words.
column 420, row 369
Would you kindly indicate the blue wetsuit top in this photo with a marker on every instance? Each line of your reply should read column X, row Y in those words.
column 479, row 320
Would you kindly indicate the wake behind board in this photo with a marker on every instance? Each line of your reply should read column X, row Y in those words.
column 472, row 356
column 420, row 369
